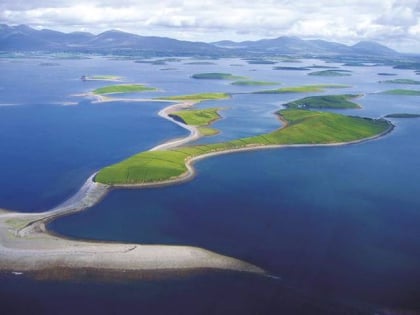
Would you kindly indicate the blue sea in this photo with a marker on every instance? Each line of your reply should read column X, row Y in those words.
column 336, row 227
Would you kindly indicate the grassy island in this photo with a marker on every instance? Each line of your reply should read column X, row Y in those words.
column 291, row 68
column 325, row 101
column 106, row 77
column 402, row 92
column 196, row 97
column 331, row 73
column 402, row 115
column 401, row 81
column 303, row 127
column 304, row 89
column 253, row 83
column 123, row 88
column 197, row 117
column 217, row 76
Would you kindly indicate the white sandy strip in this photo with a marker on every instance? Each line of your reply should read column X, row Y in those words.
column 27, row 246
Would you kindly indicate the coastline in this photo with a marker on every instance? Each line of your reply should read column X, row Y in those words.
column 27, row 246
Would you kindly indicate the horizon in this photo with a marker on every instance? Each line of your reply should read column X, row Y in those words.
column 393, row 23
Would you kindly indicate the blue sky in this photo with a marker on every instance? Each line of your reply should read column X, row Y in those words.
column 395, row 23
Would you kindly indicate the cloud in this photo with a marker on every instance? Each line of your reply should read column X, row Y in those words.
column 340, row 20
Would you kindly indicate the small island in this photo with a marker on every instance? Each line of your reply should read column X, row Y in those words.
column 107, row 77
column 304, row 89
column 325, row 101
column 331, row 73
column 402, row 115
column 196, row 97
column 401, row 81
column 402, row 92
column 217, row 76
column 291, row 68
column 253, row 83
column 200, row 118
column 122, row 88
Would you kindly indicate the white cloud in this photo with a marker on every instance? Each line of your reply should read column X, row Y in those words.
column 393, row 22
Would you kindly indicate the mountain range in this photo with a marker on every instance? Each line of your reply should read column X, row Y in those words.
column 25, row 38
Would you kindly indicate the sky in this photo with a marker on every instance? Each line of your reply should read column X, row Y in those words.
column 395, row 23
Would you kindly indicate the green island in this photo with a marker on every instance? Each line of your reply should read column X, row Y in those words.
column 302, row 127
column 331, row 73
column 402, row 92
column 291, row 68
column 261, row 62
column 387, row 74
column 196, row 97
column 105, row 77
column 325, row 101
column 200, row 63
column 253, row 83
column 197, row 117
column 123, row 88
column 401, row 81
column 217, row 76
column 402, row 115
column 304, row 89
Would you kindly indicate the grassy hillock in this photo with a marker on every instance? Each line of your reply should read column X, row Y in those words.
column 197, row 117
column 122, row 88
column 304, row 127
column 402, row 92
column 196, row 97
column 217, row 76
column 325, row 101
column 304, row 89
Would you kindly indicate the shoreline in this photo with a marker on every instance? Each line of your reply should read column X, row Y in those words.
column 26, row 245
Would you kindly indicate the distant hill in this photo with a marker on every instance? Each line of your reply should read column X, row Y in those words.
column 25, row 38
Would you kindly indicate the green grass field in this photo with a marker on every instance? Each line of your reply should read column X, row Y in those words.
column 402, row 92
column 123, row 88
column 196, row 97
column 325, row 101
column 401, row 81
column 106, row 77
column 304, row 89
column 197, row 117
column 217, row 76
column 304, row 127
column 331, row 73
column 207, row 131
column 253, row 83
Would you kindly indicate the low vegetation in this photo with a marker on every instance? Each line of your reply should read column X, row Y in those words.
column 402, row 115
column 217, row 76
column 207, row 131
column 253, row 83
column 123, row 88
column 104, row 77
column 402, row 92
column 197, row 117
column 401, row 81
column 304, row 89
column 325, row 101
column 331, row 73
column 291, row 68
column 304, row 127
column 196, row 97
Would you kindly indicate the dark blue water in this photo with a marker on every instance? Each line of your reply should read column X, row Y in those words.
column 48, row 151
column 342, row 221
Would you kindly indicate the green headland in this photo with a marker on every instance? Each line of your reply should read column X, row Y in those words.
column 217, row 76
column 304, row 89
column 303, row 127
column 402, row 92
column 325, row 101
column 123, row 88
